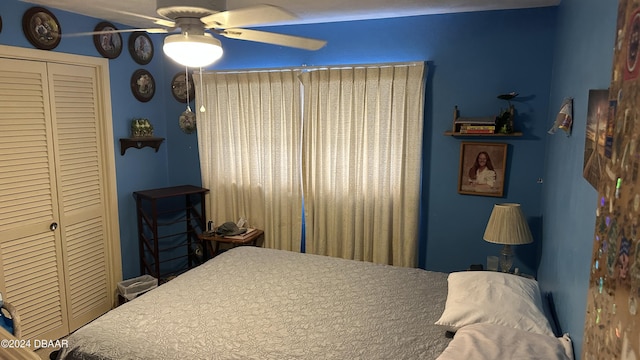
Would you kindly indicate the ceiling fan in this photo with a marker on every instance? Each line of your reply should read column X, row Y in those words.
column 195, row 46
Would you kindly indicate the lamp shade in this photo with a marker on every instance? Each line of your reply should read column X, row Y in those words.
column 192, row 50
column 507, row 225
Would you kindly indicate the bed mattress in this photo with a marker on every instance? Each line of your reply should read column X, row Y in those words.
column 256, row 303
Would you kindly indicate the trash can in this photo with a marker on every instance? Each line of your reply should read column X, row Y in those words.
column 132, row 288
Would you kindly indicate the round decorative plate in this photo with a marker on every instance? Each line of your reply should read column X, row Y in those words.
column 140, row 47
column 182, row 87
column 143, row 85
column 41, row 28
column 108, row 41
column 187, row 121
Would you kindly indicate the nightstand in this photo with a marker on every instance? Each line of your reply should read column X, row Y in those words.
column 253, row 237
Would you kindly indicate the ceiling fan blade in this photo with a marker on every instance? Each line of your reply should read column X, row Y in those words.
column 247, row 16
column 157, row 21
column 273, row 38
column 139, row 13
column 150, row 31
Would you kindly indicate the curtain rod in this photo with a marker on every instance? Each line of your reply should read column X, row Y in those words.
column 312, row 68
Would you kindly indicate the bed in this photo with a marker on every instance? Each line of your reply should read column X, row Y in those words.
column 257, row 303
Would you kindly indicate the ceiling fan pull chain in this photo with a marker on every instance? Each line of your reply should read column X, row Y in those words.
column 187, row 119
column 186, row 76
column 202, row 109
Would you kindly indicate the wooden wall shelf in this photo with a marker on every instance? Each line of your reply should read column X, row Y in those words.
column 457, row 134
column 139, row 143
column 487, row 123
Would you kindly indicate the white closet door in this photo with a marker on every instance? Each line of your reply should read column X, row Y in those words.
column 30, row 252
column 81, row 192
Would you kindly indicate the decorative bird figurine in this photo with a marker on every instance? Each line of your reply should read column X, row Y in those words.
column 504, row 121
column 508, row 96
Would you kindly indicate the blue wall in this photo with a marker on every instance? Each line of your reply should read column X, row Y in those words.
column 544, row 54
column 489, row 54
column 472, row 58
column 583, row 58
column 138, row 169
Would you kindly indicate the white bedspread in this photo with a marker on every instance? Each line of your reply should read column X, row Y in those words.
column 255, row 303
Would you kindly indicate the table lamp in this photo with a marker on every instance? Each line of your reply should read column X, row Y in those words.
column 508, row 226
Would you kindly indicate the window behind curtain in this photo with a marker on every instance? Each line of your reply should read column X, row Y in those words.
column 362, row 149
column 249, row 144
column 360, row 155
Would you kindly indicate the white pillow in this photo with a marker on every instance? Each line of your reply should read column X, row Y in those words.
column 489, row 341
column 493, row 297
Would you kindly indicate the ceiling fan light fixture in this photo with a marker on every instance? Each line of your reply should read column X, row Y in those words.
column 193, row 50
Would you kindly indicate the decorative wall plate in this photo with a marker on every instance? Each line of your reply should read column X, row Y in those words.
column 179, row 86
column 109, row 44
column 143, row 85
column 187, row 121
column 41, row 28
column 141, row 47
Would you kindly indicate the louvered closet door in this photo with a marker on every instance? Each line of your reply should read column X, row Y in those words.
column 30, row 253
column 81, row 195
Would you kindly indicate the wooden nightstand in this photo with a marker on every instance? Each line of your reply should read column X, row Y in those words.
column 253, row 237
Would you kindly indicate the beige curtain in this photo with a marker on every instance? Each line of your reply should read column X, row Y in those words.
column 362, row 149
column 249, row 144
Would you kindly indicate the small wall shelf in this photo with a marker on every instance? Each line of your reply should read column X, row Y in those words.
column 484, row 124
column 139, row 143
column 457, row 134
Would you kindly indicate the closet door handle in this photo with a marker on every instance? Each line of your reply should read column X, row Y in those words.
column 53, row 226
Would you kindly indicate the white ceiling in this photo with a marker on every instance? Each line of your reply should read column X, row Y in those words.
column 141, row 13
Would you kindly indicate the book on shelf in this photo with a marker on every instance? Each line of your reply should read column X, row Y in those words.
column 489, row 120
column 477, row 127
column 478, row 131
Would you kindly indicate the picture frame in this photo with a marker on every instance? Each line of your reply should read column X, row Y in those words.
column 108, row 41
column 141, row 47
column 482, row 168
column 143, row 85
column 595, row 136
column 41, row 28
column 180, row 86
